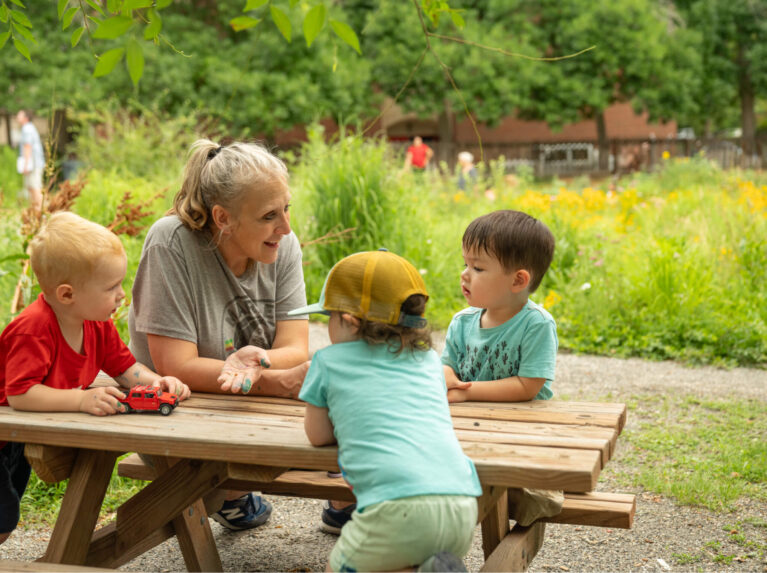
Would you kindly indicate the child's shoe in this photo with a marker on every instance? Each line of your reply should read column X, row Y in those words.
column 442, row 561
column 334, row 519
column 245, row 512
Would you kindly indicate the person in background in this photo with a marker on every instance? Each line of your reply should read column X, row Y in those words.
column 31, row 158
column 418, row 155
column 214, row 285
column 467, row 172
column 52, row 351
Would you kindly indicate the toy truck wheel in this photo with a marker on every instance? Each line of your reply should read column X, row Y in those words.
column 127, row 408
column 165, row 409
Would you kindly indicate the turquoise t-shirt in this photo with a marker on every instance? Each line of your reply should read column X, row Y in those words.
column 525, row 345
column 391, row 420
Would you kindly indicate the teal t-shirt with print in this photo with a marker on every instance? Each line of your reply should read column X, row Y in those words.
column 525, row 345
column 391, row 420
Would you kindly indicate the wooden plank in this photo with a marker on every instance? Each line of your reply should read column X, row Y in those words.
column 193, row 531
column 598, row 509
column 164, row 498
column 80, row 507
column 52, row 464
column 553, row 416
column 488, row 500
column 612, row 412
column 495, row 524
column 529, row 466
column 603, row 446
column 23, row 566
column 517, row 549
column 103, row 548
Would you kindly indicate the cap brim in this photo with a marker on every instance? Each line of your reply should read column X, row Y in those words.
column 315, row 308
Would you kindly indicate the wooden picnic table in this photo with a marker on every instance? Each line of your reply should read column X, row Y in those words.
column 217, row 441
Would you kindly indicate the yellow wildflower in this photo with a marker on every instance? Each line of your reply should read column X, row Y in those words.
column 551, row 299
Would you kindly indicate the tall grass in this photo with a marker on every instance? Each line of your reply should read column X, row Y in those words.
column 665, row 265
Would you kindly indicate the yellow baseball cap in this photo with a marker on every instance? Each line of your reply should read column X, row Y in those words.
column 371, row 285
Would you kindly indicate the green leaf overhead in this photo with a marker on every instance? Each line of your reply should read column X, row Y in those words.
column 254, row 5
column 313, row 23
column 243, row 23
column 345, row 32
column 108, row 61
column 113, row 27
column 134, row 59
column 282, row 21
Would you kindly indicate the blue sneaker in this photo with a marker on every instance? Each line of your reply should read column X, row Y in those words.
column 334, row 519
column 244, row 513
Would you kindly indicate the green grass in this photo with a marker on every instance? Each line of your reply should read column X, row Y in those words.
column 41, row 502
column 705, row 453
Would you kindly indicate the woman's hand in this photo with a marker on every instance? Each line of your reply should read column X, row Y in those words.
column 243, row 368
column 101, row 401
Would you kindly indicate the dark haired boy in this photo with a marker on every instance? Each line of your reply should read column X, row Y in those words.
column 503, row 348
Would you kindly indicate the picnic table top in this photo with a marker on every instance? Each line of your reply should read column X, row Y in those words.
column 545, row 444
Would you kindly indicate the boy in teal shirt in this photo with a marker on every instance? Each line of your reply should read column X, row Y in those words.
column 503, row 348
column 379, row 392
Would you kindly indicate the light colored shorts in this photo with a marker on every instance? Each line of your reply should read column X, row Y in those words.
column 34, row 179
column 401, row 533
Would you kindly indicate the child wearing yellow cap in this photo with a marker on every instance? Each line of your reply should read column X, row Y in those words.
column 379, row 391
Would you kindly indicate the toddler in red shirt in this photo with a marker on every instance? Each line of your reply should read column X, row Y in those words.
column 52, row 351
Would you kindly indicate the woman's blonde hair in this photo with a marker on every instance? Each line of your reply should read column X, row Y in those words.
column 68, row 248
column 223, row 175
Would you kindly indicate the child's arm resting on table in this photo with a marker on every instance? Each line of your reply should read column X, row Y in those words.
column 140, row 374
column 318, row 427
column 42, row 398
column 512, row 389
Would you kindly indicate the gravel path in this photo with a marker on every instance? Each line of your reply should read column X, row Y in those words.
column 665, row 537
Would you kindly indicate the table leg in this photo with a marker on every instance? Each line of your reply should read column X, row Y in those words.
column 154, row 507
column 495, row 524
column 193, row 532
column 517, row 549
column 80, row 507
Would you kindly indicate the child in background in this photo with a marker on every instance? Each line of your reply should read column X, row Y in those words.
column 378, row 391
column 503, row 348
column 53, row 350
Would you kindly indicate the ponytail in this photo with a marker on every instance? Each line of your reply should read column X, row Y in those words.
column 189, row 203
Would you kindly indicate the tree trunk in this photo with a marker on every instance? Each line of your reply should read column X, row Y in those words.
column 747, row 98
column 604, row 148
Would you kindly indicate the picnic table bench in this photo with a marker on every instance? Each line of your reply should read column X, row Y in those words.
column 247, row 442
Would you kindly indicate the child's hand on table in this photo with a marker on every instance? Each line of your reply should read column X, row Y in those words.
column 101, row 401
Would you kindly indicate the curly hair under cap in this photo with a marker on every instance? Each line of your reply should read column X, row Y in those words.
column 399, row 337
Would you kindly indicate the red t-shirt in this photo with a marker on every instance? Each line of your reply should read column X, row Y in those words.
column 33, row 351
column 418, row 155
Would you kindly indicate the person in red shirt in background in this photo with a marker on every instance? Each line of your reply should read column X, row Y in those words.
column 418, row 155
column 51, row 353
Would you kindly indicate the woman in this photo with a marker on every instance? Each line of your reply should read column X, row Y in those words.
column 216, row 280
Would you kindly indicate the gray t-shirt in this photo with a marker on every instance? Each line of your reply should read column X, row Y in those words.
column 185, row 290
